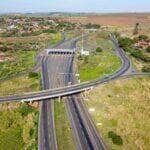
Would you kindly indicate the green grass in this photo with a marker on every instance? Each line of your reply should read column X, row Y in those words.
column 63, row 131
column 19, row 85
column 101, row 63
column 20, row 61
column 98, row 65
column 105, row 44
column 19, row 122
column 55, row 38
column 122, row 113
column 18, row 131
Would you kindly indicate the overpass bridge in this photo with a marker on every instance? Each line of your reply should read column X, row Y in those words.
column 72, row 89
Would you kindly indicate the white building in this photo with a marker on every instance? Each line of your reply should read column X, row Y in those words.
column 86, row 53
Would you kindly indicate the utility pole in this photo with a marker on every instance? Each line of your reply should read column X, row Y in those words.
column 82, row 41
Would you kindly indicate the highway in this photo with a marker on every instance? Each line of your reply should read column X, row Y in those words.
column 52, row 66
column 73, row 89
column 47, row 136
column 57, row 70
column 85, row 133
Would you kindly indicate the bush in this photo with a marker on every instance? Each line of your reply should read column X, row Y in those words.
column 99, row 49
column 143, row 37
column 125, row 42
column 137, row 53
column 49, row 31
column 33, row 75
column 146, row 68
column 86, row 59
column 136, row 39
column 148, row 49
column 24, row 109
column 116, row 139
column 128, row 50
column 92, row 26
column 140, row 55
column 117, row 34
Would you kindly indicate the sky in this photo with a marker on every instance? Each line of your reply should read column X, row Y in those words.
column 103, row 6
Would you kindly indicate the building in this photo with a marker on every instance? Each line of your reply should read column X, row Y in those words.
column 86, row 53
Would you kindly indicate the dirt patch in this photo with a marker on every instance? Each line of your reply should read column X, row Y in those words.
column 3, row 57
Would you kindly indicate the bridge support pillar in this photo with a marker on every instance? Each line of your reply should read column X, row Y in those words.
column 59, row 98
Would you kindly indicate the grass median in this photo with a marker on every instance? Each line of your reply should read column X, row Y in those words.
column 63, row 130
column 97, row 66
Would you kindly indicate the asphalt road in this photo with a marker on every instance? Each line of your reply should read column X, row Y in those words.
column 85, row 132
column 52, row 68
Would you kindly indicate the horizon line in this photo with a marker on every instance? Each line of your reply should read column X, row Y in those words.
column 75, row 12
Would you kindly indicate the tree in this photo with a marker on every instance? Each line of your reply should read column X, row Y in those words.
column 146, row 68
column 136, row 29
column 125, row 42
column 92, row 26
column 137, row 54
column 143, row 37
column 148, row 49
column 117, row 34
column 33, row 75
column 136, row 39
column 99, row 49
column 116, row 139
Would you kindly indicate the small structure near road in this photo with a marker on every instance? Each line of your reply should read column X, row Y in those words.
column 86, row 53
column 60, row 51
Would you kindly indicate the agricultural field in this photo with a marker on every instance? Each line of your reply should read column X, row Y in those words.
column 120, row 110
column 113, row 19
column 123, row 23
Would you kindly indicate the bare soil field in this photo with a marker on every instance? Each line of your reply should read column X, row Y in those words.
column 114, row 19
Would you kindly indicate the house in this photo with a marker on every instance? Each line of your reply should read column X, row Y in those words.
column 142, row 44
